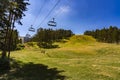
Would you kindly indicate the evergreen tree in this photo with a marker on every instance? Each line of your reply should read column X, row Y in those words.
column 46, row 37
column 109, row 35
column 11, row 12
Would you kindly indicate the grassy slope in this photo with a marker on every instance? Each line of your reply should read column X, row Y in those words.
column 80, row 58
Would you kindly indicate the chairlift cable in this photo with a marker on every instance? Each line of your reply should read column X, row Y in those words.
column 31, row 28
column 41, row 8
column 68, row 2
column 50, row 12
column 58, row 13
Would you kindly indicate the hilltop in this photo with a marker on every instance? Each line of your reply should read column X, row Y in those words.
column 81, row 39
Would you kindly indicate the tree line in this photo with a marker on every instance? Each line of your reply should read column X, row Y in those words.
column 46, row 37
column 107, row 35
column 11, row 12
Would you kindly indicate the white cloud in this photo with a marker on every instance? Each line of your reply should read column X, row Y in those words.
column 62, row 10
column 65, row 9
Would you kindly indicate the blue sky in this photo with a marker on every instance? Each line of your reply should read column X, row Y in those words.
column 77, row 15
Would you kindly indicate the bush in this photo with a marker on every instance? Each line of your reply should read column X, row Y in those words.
column 32, row 44
column 20, row 46
column 47, row 45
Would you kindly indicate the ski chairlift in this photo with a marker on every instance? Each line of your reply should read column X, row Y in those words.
column 52, row 23
column 27, row 35
column 32, row 29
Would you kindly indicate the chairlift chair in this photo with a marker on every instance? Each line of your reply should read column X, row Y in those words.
column 52, row 23
column 28, row 35
column 32, row 29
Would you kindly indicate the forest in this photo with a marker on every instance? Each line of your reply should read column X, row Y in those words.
column 46, row 37
column 107, row 35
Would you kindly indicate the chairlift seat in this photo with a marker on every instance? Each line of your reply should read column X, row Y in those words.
column 32, row 29
column 52, row 23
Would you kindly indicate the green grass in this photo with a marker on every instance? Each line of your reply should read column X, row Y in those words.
column 90, row 61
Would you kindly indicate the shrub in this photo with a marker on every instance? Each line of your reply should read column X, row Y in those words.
column 20, row 46
column 32, row 44
column 47, row 45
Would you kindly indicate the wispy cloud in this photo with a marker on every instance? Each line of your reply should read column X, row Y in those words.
column 63, row 10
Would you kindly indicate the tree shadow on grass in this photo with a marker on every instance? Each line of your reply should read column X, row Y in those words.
column 31, row 71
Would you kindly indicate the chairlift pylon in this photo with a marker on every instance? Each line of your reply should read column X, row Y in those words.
column 52, row 23
column 31, row 29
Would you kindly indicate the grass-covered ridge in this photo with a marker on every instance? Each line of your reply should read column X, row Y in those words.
column 82, row 38
column 86, row 60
